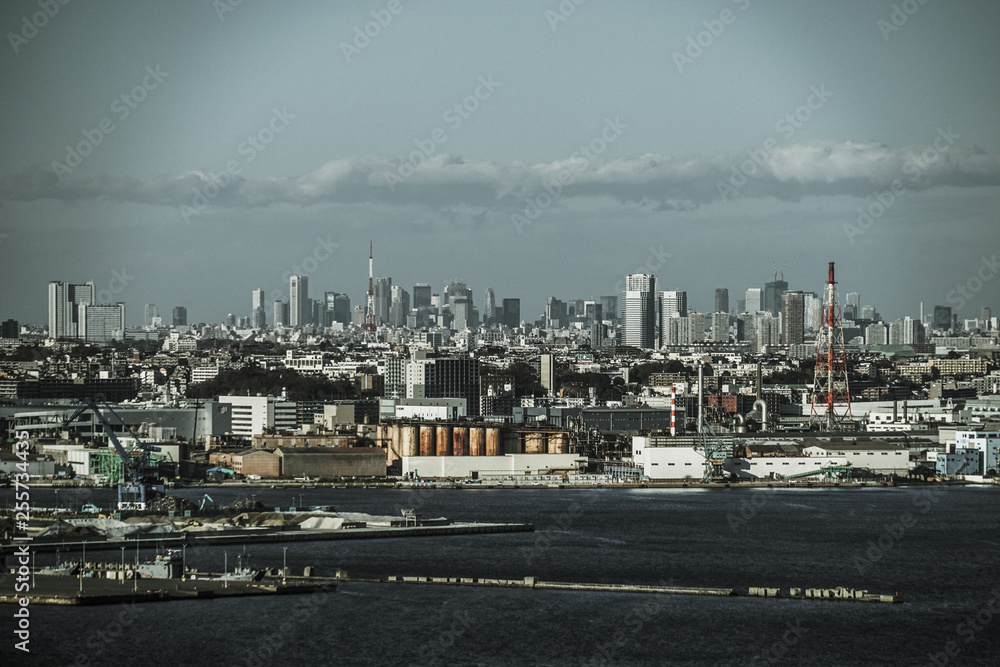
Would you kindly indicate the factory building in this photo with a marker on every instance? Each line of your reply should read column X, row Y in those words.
column 960, row 462
column 777, row 467
column 884, row 458
column 987, row 443
column 661, row 460
column 331, row 461
column 471, row 467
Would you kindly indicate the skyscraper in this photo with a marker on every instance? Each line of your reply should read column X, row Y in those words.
column 180, row 316
column 280, row 313
column 942, row 318
column 337, row 308
column 721, row 300
column 64, row 307
column 754, row 301
column 852, row 306
column 673, row 304
column 772, row 295
column 639, row 310
column 299, row 310
column 609, row 307
column 792, row 318
column 556, row 313
column 103, row 323
column 985, row 318
column 720, row 327
column 512, row 313
column 421, row 295
column 258, row 317
column 399, row 306
column 151, row 312
column 383, row 299
column 490, row 307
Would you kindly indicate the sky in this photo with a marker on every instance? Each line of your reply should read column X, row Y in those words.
column 187, row 153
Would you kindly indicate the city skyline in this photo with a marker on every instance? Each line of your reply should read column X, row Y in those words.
column 695, row 154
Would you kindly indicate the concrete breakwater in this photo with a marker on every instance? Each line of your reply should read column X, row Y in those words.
column 817, row 594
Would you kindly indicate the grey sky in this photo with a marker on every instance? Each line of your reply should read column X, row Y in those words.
column 676, row 129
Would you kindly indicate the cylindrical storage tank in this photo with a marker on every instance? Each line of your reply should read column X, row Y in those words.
column 460, row 441
column 477, row 441
column 492, row 441
column 557, row 443
column 411, row 441
column 444, row 441
column 394, row 444
column 534, row 443
column 427, row 441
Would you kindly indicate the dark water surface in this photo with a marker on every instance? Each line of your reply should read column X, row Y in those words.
column 938, row 548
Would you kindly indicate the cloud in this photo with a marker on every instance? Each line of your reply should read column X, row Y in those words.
column 655, row 181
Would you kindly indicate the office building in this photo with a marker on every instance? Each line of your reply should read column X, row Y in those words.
column 151, row 314
column 772, row 296
column 673, row 304
column 180, row 318
column 512, row 313
column 876, row 334
column 720, row 327
column 299, row 310
column 336, row 308
column 754, row 300
column 421, row 295
column 721, row 300
column 383, row 299
column 65, row 300
column 399, row 306
column 490, row 307
column 556, row 313
column 639, row 311
column 10, row 329
column 102, row 323
column 280, row 313
column 942, row 319
column 609, row 307
column 792, row 318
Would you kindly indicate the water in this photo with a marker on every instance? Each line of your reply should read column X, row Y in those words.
column 939, row 550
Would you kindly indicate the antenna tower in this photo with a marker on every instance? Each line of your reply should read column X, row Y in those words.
column 830, row 388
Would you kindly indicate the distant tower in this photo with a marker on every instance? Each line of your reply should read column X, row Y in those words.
column 370, row 325
column 721, row 300
column 830, row 388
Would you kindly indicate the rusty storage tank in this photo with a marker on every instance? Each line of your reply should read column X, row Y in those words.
column 534, row 443
column 511, row 442
column 444, row 441
column 558, row 443
column 411, row 441
column 460, row 441
column 427, row 441
column 477, row 441
column 492, row 441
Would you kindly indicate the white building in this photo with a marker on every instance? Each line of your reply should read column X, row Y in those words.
column 430, row 408
column 465, row 467
column 777, row 467
column 884, row 458
column 251, row 415
column 102, row 323
column 659, row 463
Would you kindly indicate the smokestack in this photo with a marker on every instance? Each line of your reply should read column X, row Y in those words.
column 701, row 384
column 673, row 411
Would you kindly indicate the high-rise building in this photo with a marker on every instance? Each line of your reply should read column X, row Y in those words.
column 258, row 316
column 675, row 331
column 10, row 329
column 673, row 304
column 597, row 335
column 792, row 318
column 489, row 310
column 906, row 331
column 299, row 311
column 754, row 300
column 852, row 306
column 280, row 313
column 767, row 332
column 721, row 300
column 985, row 317
column 337, row 308
column 102, row 323
column 512, row 313
column 869, row 313
column 720, row 327
column 399, row 306
column 813, row 308
column 639, row 310
column 696, row 327
column 455, row 290
column 180, row 316
column 876, row 334
column 421, row 295
column 942, row 318
column 746, row 326
column 556, row 313
column 383, row 299
column 772, row 296
column 151, row 313
column 65, row 300
column 609, row 307
column 547, row 372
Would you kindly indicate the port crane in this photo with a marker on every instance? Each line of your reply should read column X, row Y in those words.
column 141, row 483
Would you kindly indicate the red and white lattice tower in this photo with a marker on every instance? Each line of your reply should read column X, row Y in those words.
column 673, row 410
column 830, row 389
column 370, row 325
